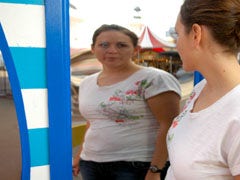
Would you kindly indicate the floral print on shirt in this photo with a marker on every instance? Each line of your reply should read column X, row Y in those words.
column 117, row 106
column 177, row 120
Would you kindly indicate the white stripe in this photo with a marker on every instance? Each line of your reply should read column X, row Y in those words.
column 36, row 107
column 146, row 42
column 24, row 25
column 40, row 173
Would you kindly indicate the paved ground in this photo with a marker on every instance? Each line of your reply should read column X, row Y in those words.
column 10, row 152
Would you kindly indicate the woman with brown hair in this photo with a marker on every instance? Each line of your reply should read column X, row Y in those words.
column 204, row 140
column 129, row 109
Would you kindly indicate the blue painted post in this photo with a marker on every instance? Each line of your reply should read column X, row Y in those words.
column 59, row 94
column 197, row 77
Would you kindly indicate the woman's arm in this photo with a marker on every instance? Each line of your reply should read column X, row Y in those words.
column 237, row 177
column 164, row 107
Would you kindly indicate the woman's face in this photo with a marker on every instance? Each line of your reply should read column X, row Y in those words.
column 113, row 48
column 184, row 45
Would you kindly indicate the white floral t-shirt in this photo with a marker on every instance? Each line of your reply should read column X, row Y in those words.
column 122, row 125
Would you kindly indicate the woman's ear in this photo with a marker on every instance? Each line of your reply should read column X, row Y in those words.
column 137, row 49
column 92, row 49
column 196, row 34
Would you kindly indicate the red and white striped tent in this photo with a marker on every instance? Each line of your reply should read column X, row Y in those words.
column 148, row 40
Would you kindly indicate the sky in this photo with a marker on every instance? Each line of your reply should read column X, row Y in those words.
column 158, row 15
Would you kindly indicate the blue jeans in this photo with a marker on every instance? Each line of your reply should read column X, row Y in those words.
column 119, row 170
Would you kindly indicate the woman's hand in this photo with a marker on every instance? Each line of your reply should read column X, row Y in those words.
column 75, row 166
column 152, row 176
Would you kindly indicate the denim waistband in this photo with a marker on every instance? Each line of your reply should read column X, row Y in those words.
column 136, row 164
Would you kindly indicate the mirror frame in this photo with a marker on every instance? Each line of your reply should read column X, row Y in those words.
column 59, row 94
column 58, row 87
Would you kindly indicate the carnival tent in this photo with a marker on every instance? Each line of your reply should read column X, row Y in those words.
column 148, row 40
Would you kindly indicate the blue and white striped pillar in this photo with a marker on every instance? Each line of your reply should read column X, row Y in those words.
column 31, row 33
